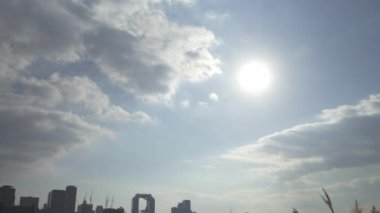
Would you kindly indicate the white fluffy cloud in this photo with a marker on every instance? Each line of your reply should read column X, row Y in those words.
column 78, row 93
column 132, row 43
column 141, row 50
column 213, row 96
column 345, row 137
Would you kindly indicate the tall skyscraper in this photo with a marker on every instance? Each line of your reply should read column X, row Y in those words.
column 7, row 195
column 71, row 196
column 150, row 203
column 57, row 201
column 29, row 202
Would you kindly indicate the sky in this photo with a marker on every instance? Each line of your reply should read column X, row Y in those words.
column 121, row 97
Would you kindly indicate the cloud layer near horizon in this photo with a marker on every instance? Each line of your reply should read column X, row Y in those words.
column 132, row 44
column 344, row 137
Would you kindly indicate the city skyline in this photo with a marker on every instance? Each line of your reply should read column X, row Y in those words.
column 232, row 104
column 64, row 201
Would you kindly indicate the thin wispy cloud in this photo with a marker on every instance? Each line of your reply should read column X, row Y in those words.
column 216, row 16
column 344, row 137
column 184, row 104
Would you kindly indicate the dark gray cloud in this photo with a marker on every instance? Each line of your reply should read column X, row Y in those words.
column 39, row 29
column 345, row 137
column 44, row 118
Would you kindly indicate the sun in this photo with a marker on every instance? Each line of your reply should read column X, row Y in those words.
column 254, row 77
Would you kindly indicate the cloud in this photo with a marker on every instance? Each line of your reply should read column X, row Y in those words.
column 38, row 29
column 202, row 104
column 216, row 16
column 132, row 42
column 184, row 2
column 213, row 96
column 185, row 104
column 71, row 93
column 133, row 45
column 31, row 133
column 344, row 137
column 138, row 48
column 80, row 91
column 44, row 118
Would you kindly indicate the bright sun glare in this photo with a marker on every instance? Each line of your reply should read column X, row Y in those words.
column 254, row 77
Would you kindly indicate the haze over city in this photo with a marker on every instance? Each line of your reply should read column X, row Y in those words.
column 242, row 106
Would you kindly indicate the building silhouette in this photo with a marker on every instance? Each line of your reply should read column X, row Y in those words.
column 7, row 195
column 182, row 207
column 99, row 209
column 85, row 207
column 29, row 202
column 56, row 201
column 150, row 203
column 111, row 210
column 16, row 209
column 71, row 196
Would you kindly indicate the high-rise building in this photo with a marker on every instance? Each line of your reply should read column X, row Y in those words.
column 150, row 203
column 187, row 205
column 85, row 207
column 71, row 196
column 45, row 206
column 111, row 210
column 99, row 209
column 182, row 207
column 57, row 201
column 174, row 210
column 29, row 202
column 7, row 195
column 17, row 209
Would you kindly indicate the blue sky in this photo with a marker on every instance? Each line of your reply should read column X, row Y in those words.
column 127, row 97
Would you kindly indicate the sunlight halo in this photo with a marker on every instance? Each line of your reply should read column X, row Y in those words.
column 254, row 77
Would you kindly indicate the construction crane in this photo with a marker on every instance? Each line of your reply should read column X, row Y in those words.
column 107, row 200
column 91, row 196
column 112, row 200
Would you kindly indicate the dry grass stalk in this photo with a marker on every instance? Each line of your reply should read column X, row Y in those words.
column 327, row 200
